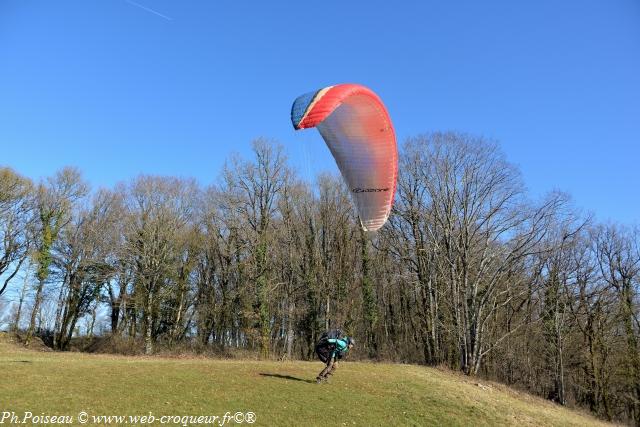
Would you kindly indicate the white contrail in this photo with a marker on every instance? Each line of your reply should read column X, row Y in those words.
column 148, row 10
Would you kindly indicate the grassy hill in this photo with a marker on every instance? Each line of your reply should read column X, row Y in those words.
column 278, row 393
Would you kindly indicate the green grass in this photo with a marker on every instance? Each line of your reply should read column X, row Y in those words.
column 279, row 393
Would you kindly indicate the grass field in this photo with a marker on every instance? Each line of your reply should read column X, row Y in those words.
column 278, row 393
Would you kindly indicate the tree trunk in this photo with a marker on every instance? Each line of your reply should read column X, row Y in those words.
column 34, row 313
column 148, row 332
column 23, row 293
column 290, row 330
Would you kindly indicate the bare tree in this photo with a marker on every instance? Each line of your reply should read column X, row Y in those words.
column 84, row 254
column 483, row 227
column 255, row 188
column 54, row 204
column 158, row 210
column 15, row 216
column 618, row 252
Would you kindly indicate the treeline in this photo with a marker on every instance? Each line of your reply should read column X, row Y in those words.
column 469, row 272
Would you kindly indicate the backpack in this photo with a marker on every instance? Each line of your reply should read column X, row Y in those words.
column 331, row 334
column 325, row 349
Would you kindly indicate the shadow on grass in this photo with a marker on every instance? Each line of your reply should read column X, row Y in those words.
column 21, row 361
column 287, row 377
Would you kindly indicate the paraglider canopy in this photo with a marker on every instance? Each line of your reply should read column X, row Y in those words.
column 356, row 127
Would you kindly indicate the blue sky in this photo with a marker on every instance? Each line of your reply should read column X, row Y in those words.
column 119, row 87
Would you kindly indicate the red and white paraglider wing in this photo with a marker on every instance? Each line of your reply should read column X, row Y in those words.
column 356, row 127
